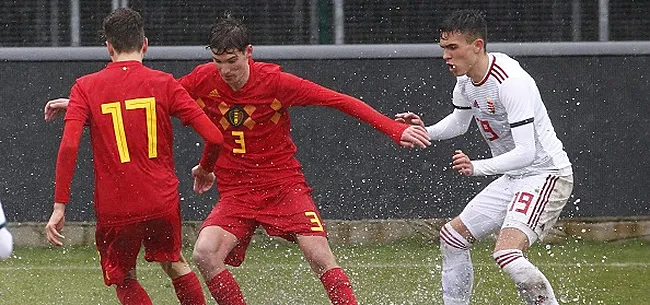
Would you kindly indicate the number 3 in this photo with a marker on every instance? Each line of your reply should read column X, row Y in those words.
column 114, row 109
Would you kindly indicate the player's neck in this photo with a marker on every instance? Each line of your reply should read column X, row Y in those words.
column 131, row 56
column 480, row 68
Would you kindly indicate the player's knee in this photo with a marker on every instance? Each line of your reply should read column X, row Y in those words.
column 175, row 269
column 451, row 240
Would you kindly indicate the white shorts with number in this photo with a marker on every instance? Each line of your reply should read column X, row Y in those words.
column 531, row 204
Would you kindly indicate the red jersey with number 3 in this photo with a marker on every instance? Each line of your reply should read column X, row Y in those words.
column 128, row 108
column 258, row 150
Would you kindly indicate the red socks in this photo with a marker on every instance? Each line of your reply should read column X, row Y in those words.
column 188, row 289
column 131, row 293
column 225, row 290
column 338, row 287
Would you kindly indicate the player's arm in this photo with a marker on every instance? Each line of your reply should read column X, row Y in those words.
column 517, row 96
column 65, row 162
column 301, row 92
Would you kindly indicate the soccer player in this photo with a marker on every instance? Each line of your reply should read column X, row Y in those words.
column 524, row 203
column 6, row 239
column 260, row 181
column 128, row 108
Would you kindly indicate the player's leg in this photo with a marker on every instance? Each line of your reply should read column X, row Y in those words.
column 118, row 248
column 186, row 284
column 480, row 217
column 130, row 292
column 215, row 247
column 163, row 244
column 292, row 214
column 533, row 210
column 6, row 239
column 322, row 262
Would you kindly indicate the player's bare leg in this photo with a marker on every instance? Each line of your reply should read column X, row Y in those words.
column 130, row 292
column 186, row 284
column 322, row 262
column 212, row 247
column 457, row 268
column 531, row 283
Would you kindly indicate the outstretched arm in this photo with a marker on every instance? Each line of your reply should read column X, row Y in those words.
column 301, row 92
column 55, row 107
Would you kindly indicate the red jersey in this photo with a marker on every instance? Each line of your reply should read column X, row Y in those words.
column 128, row 108
column 258, row 150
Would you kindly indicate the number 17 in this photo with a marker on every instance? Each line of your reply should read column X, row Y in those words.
column 114, row 109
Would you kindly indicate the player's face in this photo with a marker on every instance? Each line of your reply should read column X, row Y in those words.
column 233, row 66
column 460, row 55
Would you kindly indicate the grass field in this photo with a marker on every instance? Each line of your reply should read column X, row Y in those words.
column 402, row 273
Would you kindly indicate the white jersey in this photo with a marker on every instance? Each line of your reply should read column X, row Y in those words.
column 507, row 98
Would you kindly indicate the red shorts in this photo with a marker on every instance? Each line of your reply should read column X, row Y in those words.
column 284, row 211
column 118, row 246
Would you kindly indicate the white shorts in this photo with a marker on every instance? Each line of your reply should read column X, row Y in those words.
column 531, row 204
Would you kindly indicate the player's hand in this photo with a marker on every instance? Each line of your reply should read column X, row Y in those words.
column 203, row 179
column 415, row 136
column 409, row 118
column 55, row 225
column 55, row 107
column 461, row 163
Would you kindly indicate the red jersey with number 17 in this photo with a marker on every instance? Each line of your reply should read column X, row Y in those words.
column 258, row 150
column 128, row 108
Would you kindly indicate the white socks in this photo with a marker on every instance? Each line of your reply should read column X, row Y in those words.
column 531, row 283
column 457, row 269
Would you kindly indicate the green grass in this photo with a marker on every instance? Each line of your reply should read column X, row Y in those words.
column 401, row 273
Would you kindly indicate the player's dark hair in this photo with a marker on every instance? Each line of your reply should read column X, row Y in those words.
column 471, row 23
column 124, row 29
column 228, row 34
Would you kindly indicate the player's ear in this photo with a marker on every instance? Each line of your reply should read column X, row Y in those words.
column 145, row 45
column 249, row 51
column 479, row 45
column 111, row 50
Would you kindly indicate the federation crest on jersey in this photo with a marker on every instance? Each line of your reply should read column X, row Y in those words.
column 490, row 106
column 236, row 116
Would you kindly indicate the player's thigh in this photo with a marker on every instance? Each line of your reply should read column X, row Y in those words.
column 227, row 231
column 162, row 242
column 537, row 204
column 291, row 213
column 118, row 248
column 485, row 213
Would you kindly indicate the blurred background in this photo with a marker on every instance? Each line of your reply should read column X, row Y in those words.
column 51, row 23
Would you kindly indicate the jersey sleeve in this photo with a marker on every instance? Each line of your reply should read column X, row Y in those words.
column 66, row 159
column 300, row 92
column 78, row 107
column 517, row 96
